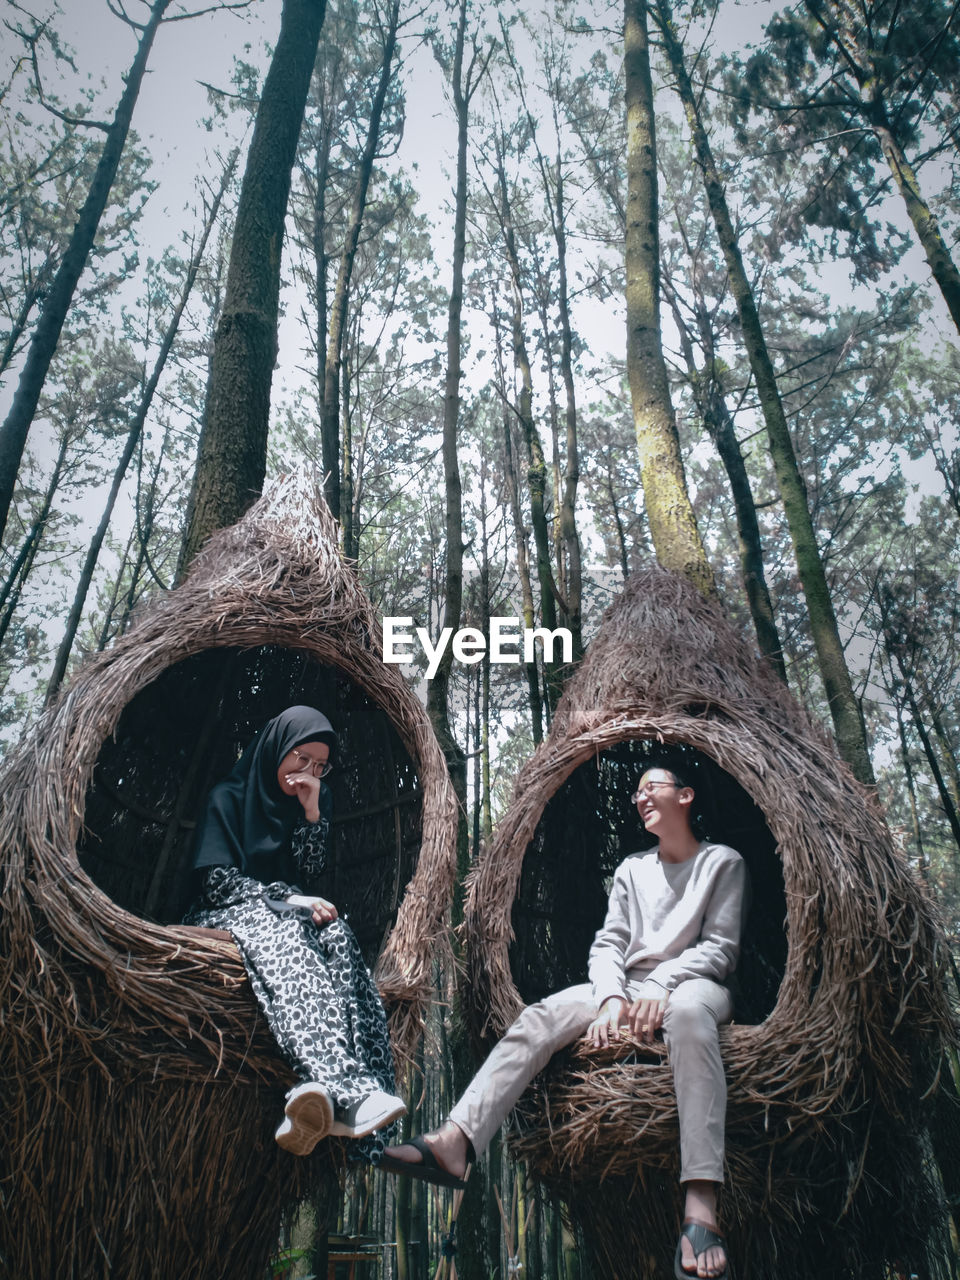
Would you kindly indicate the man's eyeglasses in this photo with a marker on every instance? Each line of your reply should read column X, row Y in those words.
column 649, row 789
column 318, row 768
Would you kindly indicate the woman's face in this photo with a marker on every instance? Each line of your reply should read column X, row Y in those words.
column 307, row 758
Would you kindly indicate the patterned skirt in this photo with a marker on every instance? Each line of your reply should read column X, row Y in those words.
column 319, row 1001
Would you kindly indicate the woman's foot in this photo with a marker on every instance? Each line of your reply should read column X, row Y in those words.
column 449, row 1146
column 308, row 1117
column 366, row 1116
column 700, row 1208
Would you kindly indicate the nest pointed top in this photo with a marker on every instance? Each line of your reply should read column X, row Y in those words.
column 832, row 1074
column 276, row 578
column 864, row 949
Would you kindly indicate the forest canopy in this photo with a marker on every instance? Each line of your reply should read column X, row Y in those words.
column 557, row 289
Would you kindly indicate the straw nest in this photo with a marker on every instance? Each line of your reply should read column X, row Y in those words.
column 828, row 1150
column 141, row 1085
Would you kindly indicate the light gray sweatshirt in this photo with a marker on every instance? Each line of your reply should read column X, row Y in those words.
column 669, row 921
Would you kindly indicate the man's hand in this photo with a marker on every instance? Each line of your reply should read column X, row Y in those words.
column 323, row 911
column 645, row 1018
column 606, row 1025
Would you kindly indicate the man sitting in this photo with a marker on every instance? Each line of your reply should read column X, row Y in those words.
column 670, row 939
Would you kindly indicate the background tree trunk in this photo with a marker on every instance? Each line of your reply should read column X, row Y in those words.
column 330, row 418
column 673, row 525
column 133, row 439
column 845, row 712
column 13, row 433
column 232, row 457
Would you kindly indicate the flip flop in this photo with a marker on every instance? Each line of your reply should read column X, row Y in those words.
column 701, row 1238
column 428, row 1168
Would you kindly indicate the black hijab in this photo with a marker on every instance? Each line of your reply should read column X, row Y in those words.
column 248, row 821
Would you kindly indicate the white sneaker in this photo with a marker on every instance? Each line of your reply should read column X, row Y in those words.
column 309, row 1116
column 367, row 1115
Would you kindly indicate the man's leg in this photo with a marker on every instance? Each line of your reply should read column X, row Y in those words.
column 694, row 1011
column 491, row 1095
column 526, row 1048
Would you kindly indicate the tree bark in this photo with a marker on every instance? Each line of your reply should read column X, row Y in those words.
column 330, row 417
column 232, row 456
column 673, row 525
column 845, row 710
column 13, row 433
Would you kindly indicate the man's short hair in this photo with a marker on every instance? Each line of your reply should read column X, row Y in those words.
column 681, row 770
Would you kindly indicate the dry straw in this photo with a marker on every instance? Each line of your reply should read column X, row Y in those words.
column 141, row 1087
column 828, row 1153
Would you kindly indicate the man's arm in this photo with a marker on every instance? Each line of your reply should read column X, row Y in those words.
column 605, row 968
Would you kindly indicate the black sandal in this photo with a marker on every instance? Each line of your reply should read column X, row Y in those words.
column 701, row 1239
column 427, row 1169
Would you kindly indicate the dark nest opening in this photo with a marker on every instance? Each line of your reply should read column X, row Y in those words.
column 588, row 828
column 184, row 732
column 141, row 1087
column 834, row 1058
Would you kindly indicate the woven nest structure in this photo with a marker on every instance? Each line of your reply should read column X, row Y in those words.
column 141, row 1085
column 842, row 1013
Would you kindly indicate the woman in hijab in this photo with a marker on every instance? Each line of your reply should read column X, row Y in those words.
column 260, row 843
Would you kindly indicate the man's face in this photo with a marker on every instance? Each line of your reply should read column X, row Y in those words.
column 659, row 798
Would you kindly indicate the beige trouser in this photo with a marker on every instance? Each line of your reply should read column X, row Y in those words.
column 694, row 1011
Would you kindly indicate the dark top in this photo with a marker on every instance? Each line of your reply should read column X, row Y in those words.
column 248, row 822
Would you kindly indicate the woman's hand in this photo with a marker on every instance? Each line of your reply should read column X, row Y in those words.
column 606, row 1025
column 645, row 1018
column 307, row 790
column 323, row 911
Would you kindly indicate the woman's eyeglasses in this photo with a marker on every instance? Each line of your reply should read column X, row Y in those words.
column 318, row 768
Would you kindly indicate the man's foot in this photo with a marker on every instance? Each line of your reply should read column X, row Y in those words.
column 309, row 1115
column 443, row 1157
column 701, row 1252
column 366, row 1116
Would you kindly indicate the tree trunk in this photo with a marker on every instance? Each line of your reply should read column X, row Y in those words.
column 844, row 708
column 20, row 569
column 232, row 456
column 673, row 525
column 116, row 591
column 523, row 570
column 942, row 267
column 23, row 315
column 133, row 439
column 572, row 577
column 536, row 463
column 345, row 495
column 463, row 83
column 13, row 433
column 330, row 417
column 437, row 694
column 846, row 31
column 711, row 401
